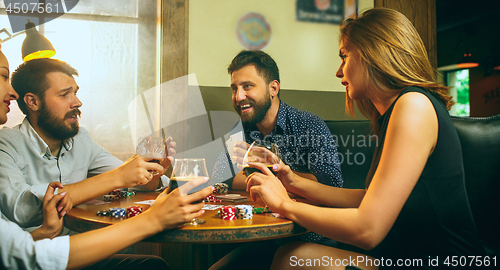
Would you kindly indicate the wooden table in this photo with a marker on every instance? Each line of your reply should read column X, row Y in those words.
column 261, row 227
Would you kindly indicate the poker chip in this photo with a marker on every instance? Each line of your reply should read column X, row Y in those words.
column 228, row 213
column 115, row 192
column 123, row 194
column 258, row 210
column 236, row 212
column 117, row 212
column 103, row 213
column 244, row 211
column 261, row 210
column 130, row 193
column 110, row 198
column 220, row 188
column 133, row 211
column 211, row 198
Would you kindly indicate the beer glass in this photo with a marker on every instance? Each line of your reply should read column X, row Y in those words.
column 262, row 152
column 152, row 147
column 185, row 170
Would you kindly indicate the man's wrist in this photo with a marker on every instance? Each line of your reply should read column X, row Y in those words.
column 40, row 233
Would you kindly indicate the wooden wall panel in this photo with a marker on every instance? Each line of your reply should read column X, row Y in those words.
column 174, row 64
column 422, row 14
column 175, row 38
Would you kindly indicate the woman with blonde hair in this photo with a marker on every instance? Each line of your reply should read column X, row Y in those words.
column 414, row 210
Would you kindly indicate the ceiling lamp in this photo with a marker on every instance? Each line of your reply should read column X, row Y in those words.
column 35, row 45
column 467, row 61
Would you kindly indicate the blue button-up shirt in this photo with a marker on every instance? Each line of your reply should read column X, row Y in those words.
column 19, row 251
column 27, row 166
column 305, row 144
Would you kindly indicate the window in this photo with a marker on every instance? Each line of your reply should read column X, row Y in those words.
column 113, row 46
column 459, row 80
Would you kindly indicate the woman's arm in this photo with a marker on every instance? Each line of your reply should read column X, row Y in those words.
column 312, row 190
column 411, row 137
column 167, row 212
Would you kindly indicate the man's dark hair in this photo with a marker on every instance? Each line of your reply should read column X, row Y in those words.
column 31, row 77
column 265, row 65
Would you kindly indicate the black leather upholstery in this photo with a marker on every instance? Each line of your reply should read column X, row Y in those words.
column 355, row 150
column 480, row 139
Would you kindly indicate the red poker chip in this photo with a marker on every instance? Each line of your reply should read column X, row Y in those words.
column 133, row 211
column 228, row 212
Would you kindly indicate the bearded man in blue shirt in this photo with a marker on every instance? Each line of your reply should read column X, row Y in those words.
column 304, row 141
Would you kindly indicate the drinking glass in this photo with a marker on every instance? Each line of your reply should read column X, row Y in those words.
column 262, row 152
column 152, row 147
column 185, row 170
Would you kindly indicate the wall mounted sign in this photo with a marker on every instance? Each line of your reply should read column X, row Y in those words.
column 322, row 11
column 253, row 31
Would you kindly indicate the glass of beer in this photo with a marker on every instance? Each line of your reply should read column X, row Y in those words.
column 261, row 152
column 185, row 170
column 152, row 147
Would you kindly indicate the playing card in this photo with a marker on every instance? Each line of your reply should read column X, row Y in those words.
column 233, row 139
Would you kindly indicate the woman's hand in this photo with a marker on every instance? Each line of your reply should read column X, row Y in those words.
column 55, row 208
column 286, row 175
column 268, row 186
column 176, row 208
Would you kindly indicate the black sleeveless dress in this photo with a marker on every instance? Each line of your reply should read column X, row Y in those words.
column 436, row 221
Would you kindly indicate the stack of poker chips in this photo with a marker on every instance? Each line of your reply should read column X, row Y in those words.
column 103, row 213
column 236, row 212
column 133, row 211
column 228, row 212
column 261, row 210
column 110, row 198
column 117, row 194
column 117, row 212
column 244, row 211
column 211, row 198
column 220, row 188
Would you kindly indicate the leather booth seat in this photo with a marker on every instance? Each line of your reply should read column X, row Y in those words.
column 355, row 148
column 480, row 139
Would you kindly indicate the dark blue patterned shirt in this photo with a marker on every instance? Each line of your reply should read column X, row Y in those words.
column 305, row 144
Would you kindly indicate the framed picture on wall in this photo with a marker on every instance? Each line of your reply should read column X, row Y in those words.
column 326, row 11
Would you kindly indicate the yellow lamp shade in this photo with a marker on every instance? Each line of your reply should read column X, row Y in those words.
column 36, row 45
column 39, row 54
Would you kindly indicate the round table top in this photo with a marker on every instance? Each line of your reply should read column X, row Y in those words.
column 261, row 227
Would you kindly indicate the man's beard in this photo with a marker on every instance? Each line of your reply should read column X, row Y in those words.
column 260, row 109
column 55, row 127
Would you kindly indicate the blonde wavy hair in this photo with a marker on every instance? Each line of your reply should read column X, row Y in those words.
column 394, row 55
